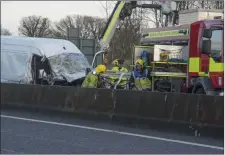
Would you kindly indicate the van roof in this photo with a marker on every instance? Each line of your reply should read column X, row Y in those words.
column 47, row 46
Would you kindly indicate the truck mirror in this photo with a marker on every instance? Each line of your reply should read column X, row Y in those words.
column 207, row 33
column 206, row 47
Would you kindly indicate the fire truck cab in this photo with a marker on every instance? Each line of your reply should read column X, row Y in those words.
column 201, row 43
column 206, row 63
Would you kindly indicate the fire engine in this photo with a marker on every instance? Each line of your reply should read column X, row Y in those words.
column 199, row 45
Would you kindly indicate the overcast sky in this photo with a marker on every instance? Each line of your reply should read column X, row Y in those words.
column 13, row 11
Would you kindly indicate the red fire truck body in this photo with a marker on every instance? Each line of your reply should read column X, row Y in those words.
column 205, row 67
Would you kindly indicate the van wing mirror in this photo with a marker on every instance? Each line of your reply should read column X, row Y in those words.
column 87, row 70
column 206, row 47
column 207, row 33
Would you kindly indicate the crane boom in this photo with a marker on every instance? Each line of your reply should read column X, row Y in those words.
column 111, row 25
column 121, row 10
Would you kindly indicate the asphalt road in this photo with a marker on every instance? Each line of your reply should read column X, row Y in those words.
column 25, row 132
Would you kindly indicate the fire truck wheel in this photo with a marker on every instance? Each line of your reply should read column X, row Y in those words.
column 200, row 91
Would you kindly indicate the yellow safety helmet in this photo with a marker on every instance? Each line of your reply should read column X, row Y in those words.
column 100, row 69
column 116, row 62
column 139, row 61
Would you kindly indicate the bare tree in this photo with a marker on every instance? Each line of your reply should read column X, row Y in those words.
column 90, row 27
column 106, row 7
column 5, row 32
column 93, row 26
column 61, row 27
column 35, row 26
column 126, row 36
column 218, row 4
column 206, row 4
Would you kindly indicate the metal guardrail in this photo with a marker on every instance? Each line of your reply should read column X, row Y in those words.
column 200, row 110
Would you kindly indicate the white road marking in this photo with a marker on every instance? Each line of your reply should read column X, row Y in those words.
column 117, row 132
column 11, row 151
column 7, row 150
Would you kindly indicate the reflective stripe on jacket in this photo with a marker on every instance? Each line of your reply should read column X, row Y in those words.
column 90, row 81
column 123, row 80
column 141, row 79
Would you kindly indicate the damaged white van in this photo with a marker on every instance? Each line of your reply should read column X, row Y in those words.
column 46, row 61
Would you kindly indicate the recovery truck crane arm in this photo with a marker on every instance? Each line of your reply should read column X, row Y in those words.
column 122, row 10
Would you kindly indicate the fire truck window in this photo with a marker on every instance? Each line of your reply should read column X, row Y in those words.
column 216, row 45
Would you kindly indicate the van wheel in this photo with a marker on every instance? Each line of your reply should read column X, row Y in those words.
column 200, row 91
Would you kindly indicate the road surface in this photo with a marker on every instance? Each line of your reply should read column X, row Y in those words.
column 25, row 132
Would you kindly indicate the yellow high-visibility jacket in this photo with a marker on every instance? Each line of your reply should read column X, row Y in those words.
column 90, row 81
column 123, row 80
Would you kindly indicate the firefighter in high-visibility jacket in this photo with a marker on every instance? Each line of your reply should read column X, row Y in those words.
column 118, row 68
column 92, row 79
column 140, row 76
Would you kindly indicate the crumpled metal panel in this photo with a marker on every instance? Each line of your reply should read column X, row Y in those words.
column 72, row 66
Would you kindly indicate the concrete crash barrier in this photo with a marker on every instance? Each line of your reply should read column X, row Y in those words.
column 211, row 110
column 196, row 109
column 200, row 110
column 59, row 98
column 140, row 104
column 98, row 100
column 21, row 94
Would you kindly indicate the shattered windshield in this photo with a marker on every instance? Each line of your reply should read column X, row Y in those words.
column 69, row 63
